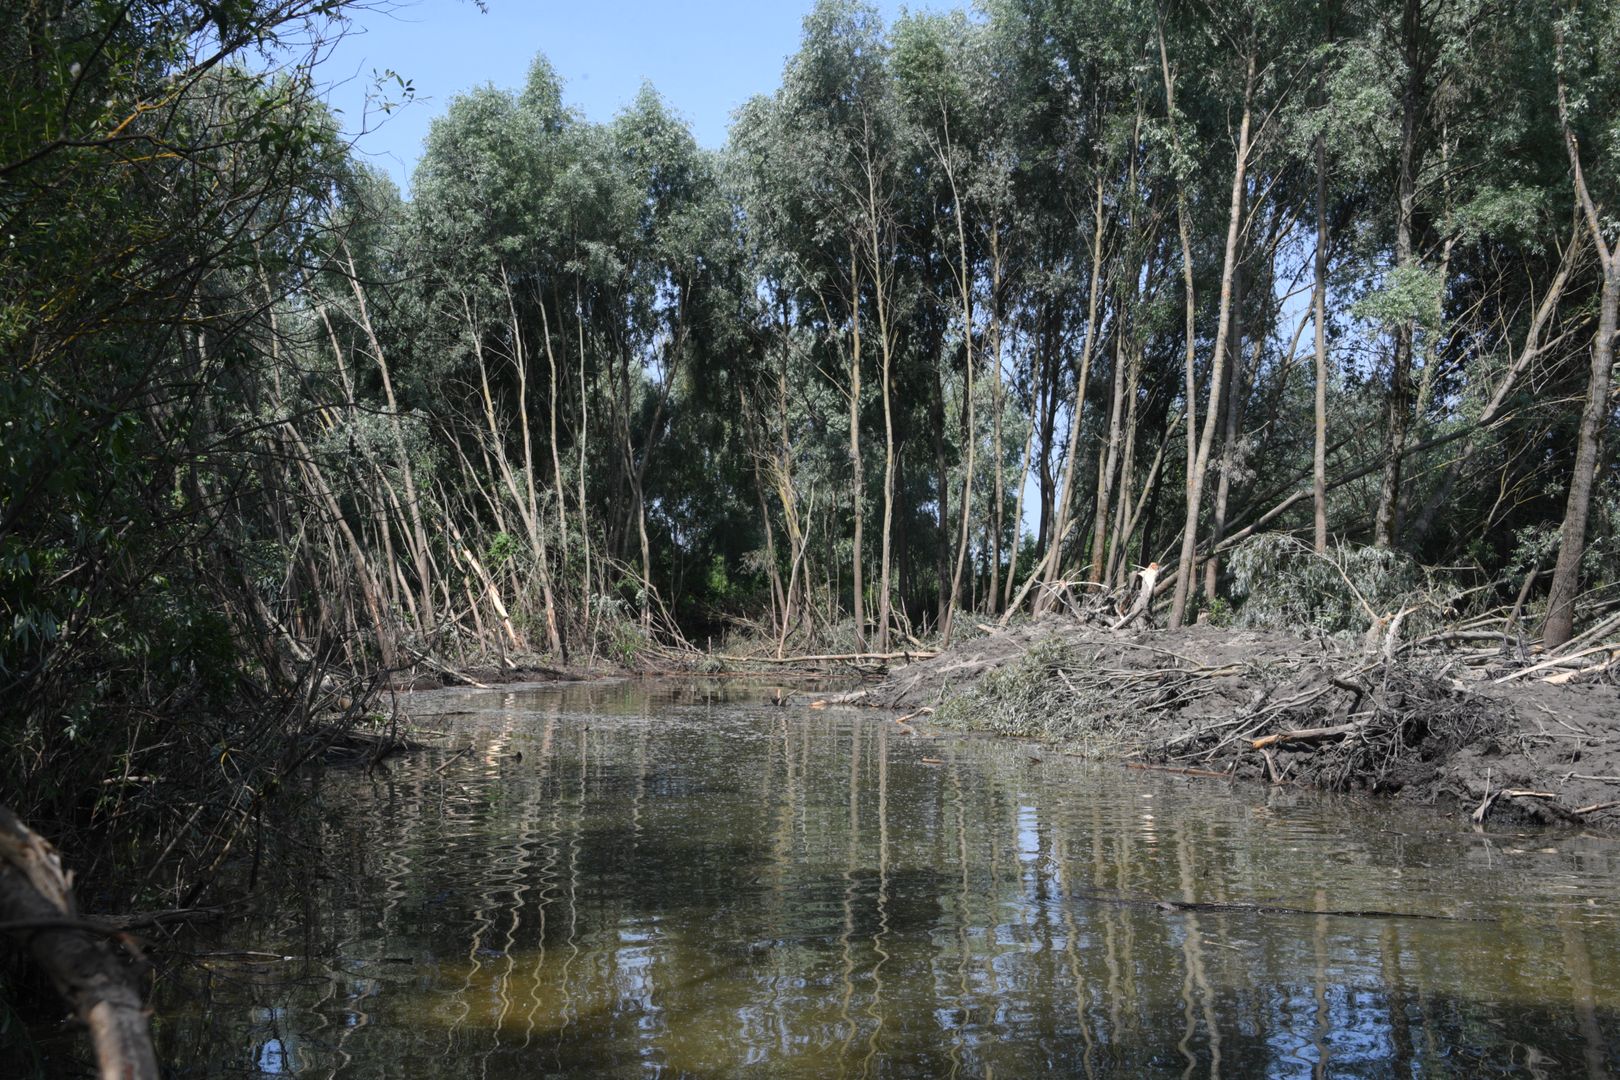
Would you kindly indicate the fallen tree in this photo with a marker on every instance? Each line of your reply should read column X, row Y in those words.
column 94, row 977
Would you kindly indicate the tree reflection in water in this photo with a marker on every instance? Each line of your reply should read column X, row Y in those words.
column 676, row 880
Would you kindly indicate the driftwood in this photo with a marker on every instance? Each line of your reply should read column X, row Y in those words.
column 1147, row 766
column 448, row 672
column 1556, row 661
column 37, row 905
column 829, row 658
column 1306, row 735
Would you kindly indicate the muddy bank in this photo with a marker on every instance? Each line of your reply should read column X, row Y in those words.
column 1276, row 708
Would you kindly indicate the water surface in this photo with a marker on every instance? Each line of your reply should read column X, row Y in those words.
column 621, row 879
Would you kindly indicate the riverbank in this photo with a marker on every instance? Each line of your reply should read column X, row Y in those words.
column 1494, row 743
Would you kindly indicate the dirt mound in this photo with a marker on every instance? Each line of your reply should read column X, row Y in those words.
column 1285, row 710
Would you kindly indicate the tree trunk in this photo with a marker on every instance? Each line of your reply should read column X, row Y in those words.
column 36, row 901
column 999, row 524
column 419, row 543
column 1236, row 394
column 1185, row 566
column 531, row 508
column 556, row 454
column 584, row 440
column 779, row 614
column 1108, row 465
column 880, row 287
column 1398, row 400
column 855, row 479
column 1046, row 419
column 1190, row 334
column 1120, row 540
column 1560, row 625
column 1319, row 302
column 1594, row 415
column 965, row 289
column 1018, row 521
column 1054, row 553
column 942, row 480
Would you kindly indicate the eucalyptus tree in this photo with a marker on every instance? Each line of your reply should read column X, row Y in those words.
column 1587, row 73
column 1059, row 77
column 1335, row 116
column 838, row 110
column 1257, row 67
column 1418, row 51
column 943, row 78
column 790, row 430
column 667, row 279
column 483, row 258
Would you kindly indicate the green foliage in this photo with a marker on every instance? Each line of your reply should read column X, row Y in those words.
column 503, row 548
column 717, row 581
column 156, row 184
column 1409, row 293
column 1284, row 585
column 1515, row 211
column 1017, row 699
column 626, row 644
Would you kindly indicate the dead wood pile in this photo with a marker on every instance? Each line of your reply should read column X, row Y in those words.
column 1267, row 706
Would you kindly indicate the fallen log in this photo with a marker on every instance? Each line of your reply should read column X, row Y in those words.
column 1306, row 735
column 1241, row 908
column 448, row 672
column 1148, row 766
column 1279, row 909
column 36, row 902
column 829, row 658
column 1556, row 661
column 113, row 925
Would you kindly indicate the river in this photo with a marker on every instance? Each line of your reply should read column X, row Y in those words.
column 680, row 879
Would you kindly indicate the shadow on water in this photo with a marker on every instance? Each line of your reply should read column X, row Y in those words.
column 679, row 880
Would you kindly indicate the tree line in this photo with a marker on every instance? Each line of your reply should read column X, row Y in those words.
column 976, row 314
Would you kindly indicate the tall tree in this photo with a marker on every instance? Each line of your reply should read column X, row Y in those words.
column 1588, row 76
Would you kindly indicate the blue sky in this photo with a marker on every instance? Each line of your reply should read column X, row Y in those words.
column 705, row 56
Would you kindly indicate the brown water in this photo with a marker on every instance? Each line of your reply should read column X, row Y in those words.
column 679, row 880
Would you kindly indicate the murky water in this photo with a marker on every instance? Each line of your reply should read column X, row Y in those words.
column 680, row 880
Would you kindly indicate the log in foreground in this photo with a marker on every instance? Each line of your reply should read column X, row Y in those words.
column 40, row 915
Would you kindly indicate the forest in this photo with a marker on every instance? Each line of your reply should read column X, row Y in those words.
column 974, row 317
